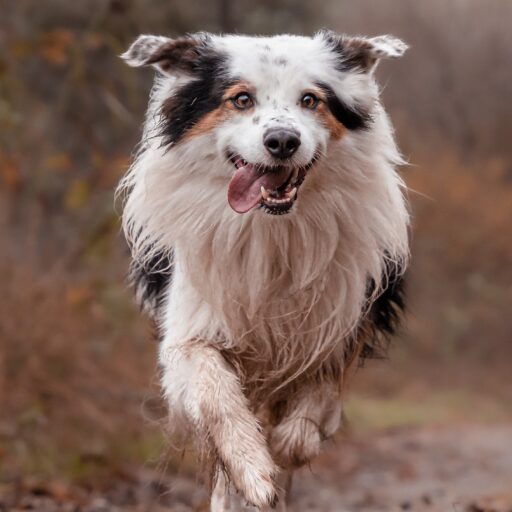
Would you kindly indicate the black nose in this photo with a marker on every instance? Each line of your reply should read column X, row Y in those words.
column 281, row 143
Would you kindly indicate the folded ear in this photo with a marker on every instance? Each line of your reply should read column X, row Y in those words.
column 364, row 53
column 169, row 56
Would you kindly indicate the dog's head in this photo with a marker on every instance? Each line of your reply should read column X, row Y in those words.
column 270, row 107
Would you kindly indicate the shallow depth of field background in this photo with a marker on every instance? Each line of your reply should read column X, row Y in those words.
column 78, row 377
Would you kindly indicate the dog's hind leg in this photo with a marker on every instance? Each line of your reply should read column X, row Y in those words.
column 201, row 386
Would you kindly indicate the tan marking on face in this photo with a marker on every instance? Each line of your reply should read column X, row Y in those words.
column 336, row 128
column 208, row 123
column 226, row 109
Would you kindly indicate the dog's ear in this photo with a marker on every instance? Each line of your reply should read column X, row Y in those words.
column 364, row 53
column 169, row 56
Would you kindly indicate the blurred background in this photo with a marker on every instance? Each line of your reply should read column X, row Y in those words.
column 80, row 414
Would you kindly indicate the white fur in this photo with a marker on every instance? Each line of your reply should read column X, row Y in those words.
column 388, row 46
column 283, row 292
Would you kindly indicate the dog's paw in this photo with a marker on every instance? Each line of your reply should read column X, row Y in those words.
column 226, row 497
column 259, row 490
column 295, row 442
column 255, row 480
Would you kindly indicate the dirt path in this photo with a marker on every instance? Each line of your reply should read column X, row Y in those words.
column 459, row 469
column 428, row 469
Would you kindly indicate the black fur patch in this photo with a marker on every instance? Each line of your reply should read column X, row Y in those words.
column 353, row 118
column 195, row 99
column 385, row 313
column 150, row 281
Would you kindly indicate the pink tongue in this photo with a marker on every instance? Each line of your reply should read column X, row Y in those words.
column 244, row 191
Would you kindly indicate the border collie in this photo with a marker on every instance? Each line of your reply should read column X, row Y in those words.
column 269, row 235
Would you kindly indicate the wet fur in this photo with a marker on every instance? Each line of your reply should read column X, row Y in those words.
column 259, row 317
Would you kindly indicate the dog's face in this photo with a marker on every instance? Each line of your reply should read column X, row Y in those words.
column 271, row 106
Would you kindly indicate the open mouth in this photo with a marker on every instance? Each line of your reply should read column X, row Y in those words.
column 272, row 188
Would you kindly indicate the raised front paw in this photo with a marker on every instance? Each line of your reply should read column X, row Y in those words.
column 254, row 477
column 226, row 498
column 244, row 452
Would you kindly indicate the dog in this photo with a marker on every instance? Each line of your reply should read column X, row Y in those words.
column 269, row 236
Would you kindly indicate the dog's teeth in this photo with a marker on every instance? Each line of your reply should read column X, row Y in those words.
column 264, row 193
column 292, row 193
column 295, row 174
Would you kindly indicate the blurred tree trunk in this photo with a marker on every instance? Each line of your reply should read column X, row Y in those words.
column 226, row 17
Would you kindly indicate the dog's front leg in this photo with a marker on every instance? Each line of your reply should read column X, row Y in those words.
column 225, row 497
column 202, row 386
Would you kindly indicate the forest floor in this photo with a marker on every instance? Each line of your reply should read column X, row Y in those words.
column 457, row 468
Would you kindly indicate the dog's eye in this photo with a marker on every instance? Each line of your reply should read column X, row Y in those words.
column 242, row 101
column 309, row 100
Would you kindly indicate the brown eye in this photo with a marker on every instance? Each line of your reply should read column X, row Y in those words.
column 309, row 100
column 242, row 101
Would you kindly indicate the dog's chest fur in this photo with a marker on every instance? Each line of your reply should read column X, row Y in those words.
column 279, row 296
